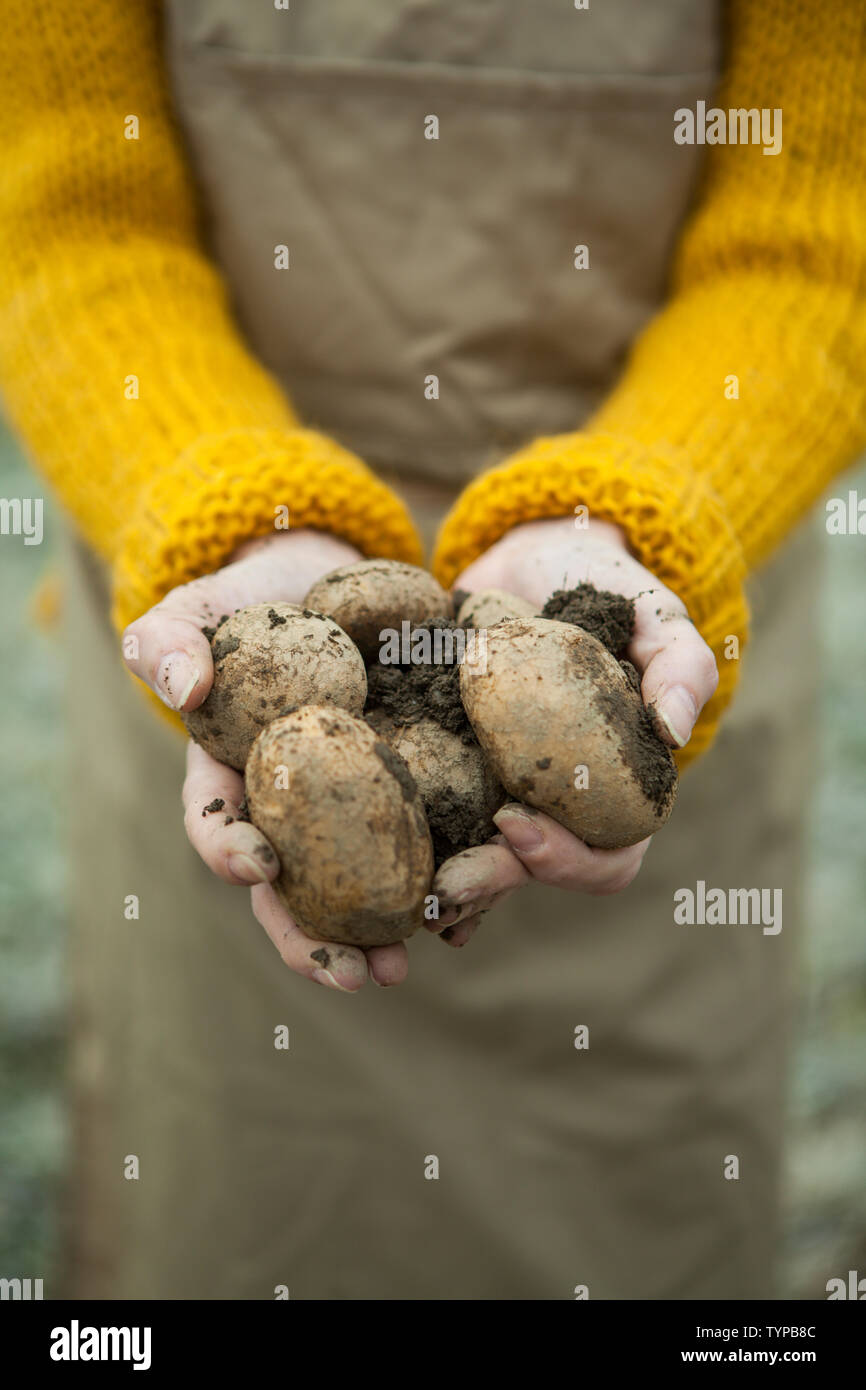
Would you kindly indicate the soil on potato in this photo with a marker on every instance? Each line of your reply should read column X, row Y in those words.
column 611, row 618
column 454, row 827
column 397, row 768
column 643, row 750
column 415, row 691
column 210, row 631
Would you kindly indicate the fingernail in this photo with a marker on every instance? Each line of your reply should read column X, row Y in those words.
column 448, row 921
column 244, row 867
column 519, row 829
column 445, row 919
column 449, row 901
column 451, row 933
column 677, row 711
column 177, row 679
column 324, row 977
column 451, row 909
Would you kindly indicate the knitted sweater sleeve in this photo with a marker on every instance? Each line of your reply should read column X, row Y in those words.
column 747, row 393
column 120, row 364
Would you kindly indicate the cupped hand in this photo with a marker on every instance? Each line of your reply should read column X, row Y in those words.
column 678, row 675
column 167, row 649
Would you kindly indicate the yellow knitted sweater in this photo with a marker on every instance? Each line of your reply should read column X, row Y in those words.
column 124, row 373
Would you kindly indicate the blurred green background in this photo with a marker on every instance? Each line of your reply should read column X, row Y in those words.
column 825, row 1204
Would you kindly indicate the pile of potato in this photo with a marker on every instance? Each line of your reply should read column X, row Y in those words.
column 359, row 801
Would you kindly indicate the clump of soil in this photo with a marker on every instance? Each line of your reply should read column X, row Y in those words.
column 455, row 825
column 221, row 647
column 607, row 616
column 414, row 691
column 210, row 631
column 408, row 693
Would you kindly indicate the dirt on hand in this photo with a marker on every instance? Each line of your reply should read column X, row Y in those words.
column 608, row 617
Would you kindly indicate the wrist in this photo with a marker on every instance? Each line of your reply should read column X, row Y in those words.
column 314, row 545
column 574, row 528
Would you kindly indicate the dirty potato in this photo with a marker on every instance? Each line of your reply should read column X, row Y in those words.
column 344, row 815
column 459, row 791
column 489, row 606
column 268, row 658
column 563, row 725
column 377, row 594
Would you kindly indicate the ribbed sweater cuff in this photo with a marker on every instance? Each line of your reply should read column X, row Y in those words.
column 227, row 488
column 674, row 524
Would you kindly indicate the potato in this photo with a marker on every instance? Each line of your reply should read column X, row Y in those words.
column 564, row 727
column 490, row 606
column 268, row 658
column 377, row 594
column 459, row 791
column 345, row 818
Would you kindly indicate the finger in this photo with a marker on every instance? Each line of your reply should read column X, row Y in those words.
column 483, row 573
column 329, row 964
column 458, row 934
column 388, row 965
column 167, row 649
column 458, row 931
column 481, row 901
column 231, row 847
column 551, row 854
column 473, row 878
column 284, row 566
column 679, row 672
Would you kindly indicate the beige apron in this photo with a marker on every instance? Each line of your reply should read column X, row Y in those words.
column 557, row 1167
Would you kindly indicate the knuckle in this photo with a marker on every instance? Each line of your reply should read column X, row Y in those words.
column 163, row 609
column 606, row 888
column 668, row 609
column 289, row 957
column 615, row 880
column 131, row 640
column 706, row 667
column 556, row 872
column 192, row 822
column 187, row 790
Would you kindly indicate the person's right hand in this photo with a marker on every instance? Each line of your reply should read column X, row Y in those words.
column 174, row 659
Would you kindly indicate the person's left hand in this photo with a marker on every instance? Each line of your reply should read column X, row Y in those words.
column 678, row 675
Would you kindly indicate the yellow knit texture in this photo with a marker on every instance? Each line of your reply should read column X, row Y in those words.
column 169, row 444
column 121, row 366
column 769, row 286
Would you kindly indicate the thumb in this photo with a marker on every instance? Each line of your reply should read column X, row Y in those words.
column 678, row 678
column 167, row 649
